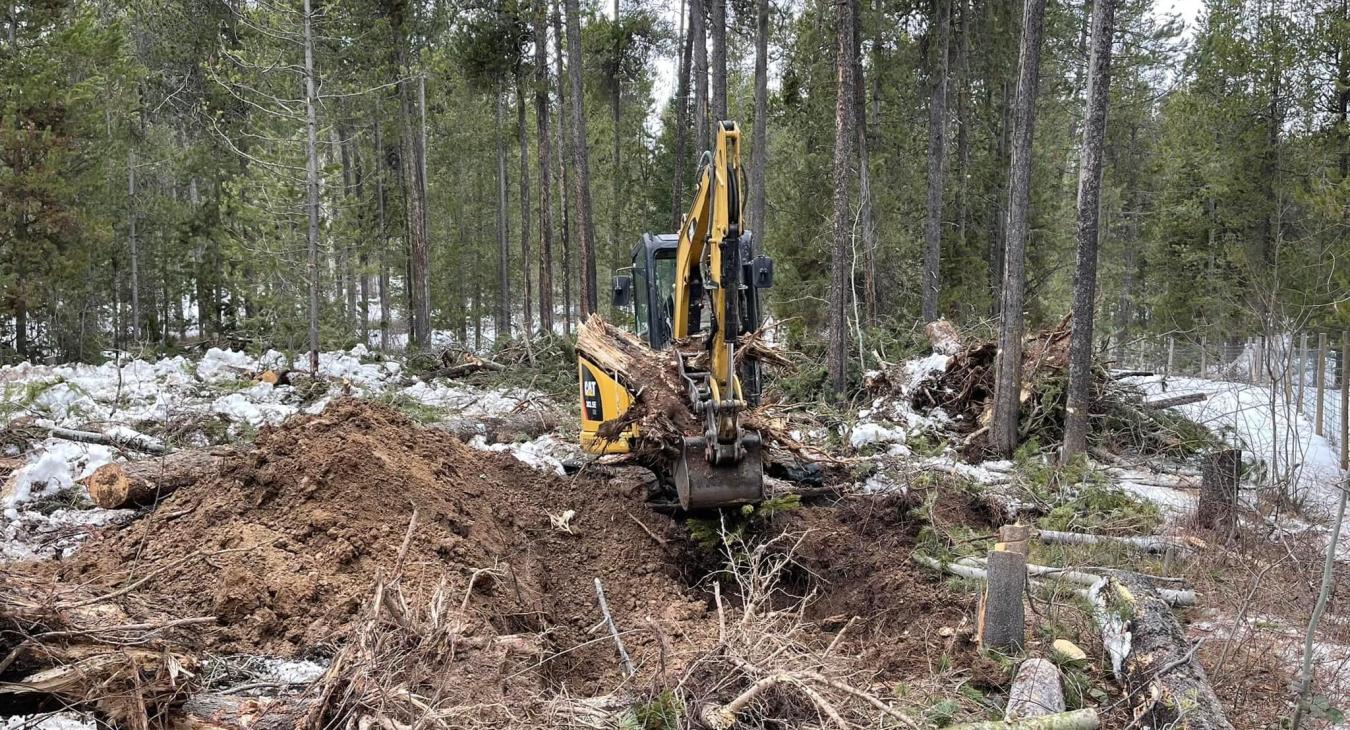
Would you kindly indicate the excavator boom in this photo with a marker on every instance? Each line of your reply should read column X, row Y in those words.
column 713, row 267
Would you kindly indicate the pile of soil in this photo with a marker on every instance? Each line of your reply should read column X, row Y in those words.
column 285, row 543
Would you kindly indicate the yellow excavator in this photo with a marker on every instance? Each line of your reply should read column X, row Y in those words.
column 709, row 262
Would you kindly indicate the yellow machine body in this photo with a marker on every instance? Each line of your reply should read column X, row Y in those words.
column 603, row 398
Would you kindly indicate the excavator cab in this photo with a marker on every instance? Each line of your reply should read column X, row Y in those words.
column 648, row 293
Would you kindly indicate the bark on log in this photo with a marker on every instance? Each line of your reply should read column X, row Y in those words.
column 138, row 483
column 135, row 442
column 223, row 712
column 1176, row 400
column 1153, row 660
column 1037, row 691
column 1076, row 720
column 1146, row 543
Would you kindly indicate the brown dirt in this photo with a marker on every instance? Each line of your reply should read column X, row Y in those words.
column 855, row 555
column 285, row 543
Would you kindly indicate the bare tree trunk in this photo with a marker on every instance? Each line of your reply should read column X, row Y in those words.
column 1125, row 300
column 582, row 176
column 564, row 172
column 135, row 253
column 1089, row 211
column 616, row 107
column 698, row 26
column 312, row 184
column 866, row 221
column 363, row 257
column 501, row 319
column 844, row 158
column 682, row 117
column 1008, row 376
column 541, row 104
column 718, row 10
column 963, row 126
column 526, row 261
column 937, row 125
column 1305, row 674
column 414, row 175
column 383, row 239
column 759, row 136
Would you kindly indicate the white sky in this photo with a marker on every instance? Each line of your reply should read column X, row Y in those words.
column 668, row 66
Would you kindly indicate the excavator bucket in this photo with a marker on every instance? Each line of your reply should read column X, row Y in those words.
column 701, row 484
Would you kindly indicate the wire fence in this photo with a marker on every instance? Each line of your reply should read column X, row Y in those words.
column 1302, row 374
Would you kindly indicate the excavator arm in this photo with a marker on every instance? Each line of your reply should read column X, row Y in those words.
column 709, row 262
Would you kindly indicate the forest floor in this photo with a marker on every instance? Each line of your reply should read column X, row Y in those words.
column 392, row 545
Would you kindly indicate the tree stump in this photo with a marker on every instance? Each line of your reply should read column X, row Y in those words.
column 1001, row 623
column 1217, row 508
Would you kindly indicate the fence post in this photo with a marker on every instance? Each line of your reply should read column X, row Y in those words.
column 1321, row 382
column 1258, row 359
column 1204, row 355
column 1345, row 400
column 1171, row 351
column 1302, row 368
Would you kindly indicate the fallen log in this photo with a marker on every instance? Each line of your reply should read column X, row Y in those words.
column 223, row 712
column 1145, row 543
column 1076, row 720
column 1174, row 597
column 138, row 483
column 1037, row 691
column 1152, row 659
column 1176, row 400
column 136, row 442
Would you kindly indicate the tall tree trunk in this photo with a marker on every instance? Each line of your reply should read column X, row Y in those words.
column 845, row 119
column 501, row 319
column 698, row 14
column 759, row 136
column 383, row 253
column 541, row 104
column 363, row 257
column 565, row 173
column 719, row 59
column 866, row 220
column 963, row 126
column 312, row 184
column 937, row 136
column 135, row 250
column 581, row 162
column 527, row 259
column 616, row 175
column 1089, row 212
column 681, row 116
column 415, row 185
column 1129, row 247
column 1008, row 364
column 998, row 202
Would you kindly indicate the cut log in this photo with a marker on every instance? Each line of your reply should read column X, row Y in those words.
column 1145, row 543
column 1037, row 691
column 1153, row 660
column 138, row 483
column 223, row 712
column 1176, row 400
column 136, row 442
column 1076, row 720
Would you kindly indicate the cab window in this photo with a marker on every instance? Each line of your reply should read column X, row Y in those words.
column 640, row 290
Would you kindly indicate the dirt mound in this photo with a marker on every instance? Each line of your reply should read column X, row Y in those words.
column 284, row 544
